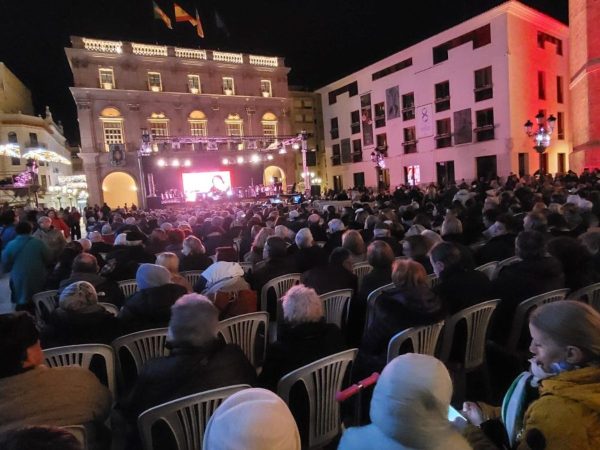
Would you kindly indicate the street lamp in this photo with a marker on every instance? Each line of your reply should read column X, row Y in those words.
column 541, row 136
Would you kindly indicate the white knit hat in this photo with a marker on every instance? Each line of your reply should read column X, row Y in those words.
column 252, row 419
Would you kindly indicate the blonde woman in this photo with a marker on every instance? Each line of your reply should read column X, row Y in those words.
column 170, row 261
column 256, row 251
column 353, row 241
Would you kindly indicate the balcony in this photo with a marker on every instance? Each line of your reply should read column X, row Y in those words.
column 235, row 58
column 149, row 50
column 98, row 45
column 190, row 53
column 410, row 146
column 267, row 61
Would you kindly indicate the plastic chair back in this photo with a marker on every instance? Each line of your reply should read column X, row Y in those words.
column 128, row 287
column 192, row 276
column 186, row 417
column 522, row 314
column 243, row 331
column 322, row 379
column 360, row 270
column 142, row 346
column 336, row 303
column 281, row 285
column 45, row 302
column 424, row 340
column 433, row 280
column 489, row 269
column 477, row 319
column 372, row 298
column 113, row 309
column 505, row 262
column 79, row 432
column 590, row 294
column 81, row 355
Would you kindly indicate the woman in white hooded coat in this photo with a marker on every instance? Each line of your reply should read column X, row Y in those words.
column 409, row 409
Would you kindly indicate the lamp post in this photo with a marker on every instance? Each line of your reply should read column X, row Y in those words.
column 541, row 136
column 377, row 157
column 305, row 174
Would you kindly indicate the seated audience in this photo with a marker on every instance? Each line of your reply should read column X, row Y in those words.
column 33, row 394
column 128, row 253
column 64, row 266
column 308, row 255
column 157, row 242
column 193, row 255
column 302, row 337
column 535, row 274
column 337, row 274
column 198, row 361
column 274, row 264
column 576, row 262
column 409, row 303
column 591, row 242
column 85, row 268
column 335, row 230
column 175, row 239
column 459, row 287
column 353, row 241
column 262, row 422
column 500, row 244
column 150, row 306
column 79, row 319
column 170, row 261
column 255, row 255
column 552, row 406
column 409, row 409
column 415, row 248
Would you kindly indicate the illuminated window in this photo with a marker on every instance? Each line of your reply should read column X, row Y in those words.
column 269, row 124
column 194, row 84
column 107, row 78
column 228, row 86
column 154, row 82
column 412, row 175
column 235, row 125
column 112, row 127
column 265, row 88
column 159, row 125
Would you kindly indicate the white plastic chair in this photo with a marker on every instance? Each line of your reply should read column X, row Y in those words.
column 424, row 340
column 489, row 269
column 45, row 302
column 142, row 346
column 113, row 309
column 372, row 298
column 522, row 313
column 186, row 417
column 477, row 318
column 281, row 285
column 243, row 331
column 192, row 276
column 360, row 270
column 128, row 287
column 246, row 266
column 79, row 432
column 336, row 305
column 322, row 379
column 81, row 355
column 590, row 294
column 433, row 280
column 505, row 262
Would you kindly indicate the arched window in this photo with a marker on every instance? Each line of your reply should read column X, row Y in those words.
column 159, row 124
column 269, row 124
column 235, row 125
column 112, row 127
column 198, row 123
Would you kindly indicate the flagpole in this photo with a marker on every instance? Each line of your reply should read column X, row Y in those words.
column 154, row 32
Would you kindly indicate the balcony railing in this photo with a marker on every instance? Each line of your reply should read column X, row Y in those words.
column 98, row 45
column 236, row 58
column 263, row 61
column 190, row 53
column 149, row 50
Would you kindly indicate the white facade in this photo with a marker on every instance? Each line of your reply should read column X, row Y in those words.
column 512, row 49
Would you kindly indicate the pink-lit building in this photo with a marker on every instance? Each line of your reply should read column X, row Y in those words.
column 121, row 88
column 453, row 106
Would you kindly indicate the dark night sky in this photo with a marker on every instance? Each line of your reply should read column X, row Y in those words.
column 322, row 40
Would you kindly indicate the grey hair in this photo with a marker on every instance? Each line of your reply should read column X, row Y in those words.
column 301, row 304
column 304, row 238
column 194, row 321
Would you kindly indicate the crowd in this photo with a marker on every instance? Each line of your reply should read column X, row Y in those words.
column 407, row 238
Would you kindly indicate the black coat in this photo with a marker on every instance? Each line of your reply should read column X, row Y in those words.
column 460, row 289
column 308, row 258
column 150, row 308
column 194, row 261
column 394, row 311
column 329, row 278
column 496, row 249
column 297, row 346
column 518, row 282
column 334, row 241
column 128, row 259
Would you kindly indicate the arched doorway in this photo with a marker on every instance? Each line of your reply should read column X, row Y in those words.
column 119, row 188
column 274, row 174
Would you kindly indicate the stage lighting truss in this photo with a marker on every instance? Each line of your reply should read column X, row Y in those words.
column 252, row 149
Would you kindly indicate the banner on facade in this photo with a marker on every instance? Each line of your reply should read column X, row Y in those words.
column 392, row 102
column 366, row 118
column 117, row 154
column 425, row 122
column 463, row 127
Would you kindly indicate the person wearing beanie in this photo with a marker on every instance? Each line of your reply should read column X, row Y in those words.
column 409, row 409
column 79, row 319
column 33, row 394
column 198, row 360
column 252, row 419
column 150, row 306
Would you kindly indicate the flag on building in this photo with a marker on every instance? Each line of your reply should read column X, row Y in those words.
column 160, row 14
column 199, row 28
column 182, row 16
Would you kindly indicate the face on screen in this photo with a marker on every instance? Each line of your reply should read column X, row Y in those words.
column 204, row 183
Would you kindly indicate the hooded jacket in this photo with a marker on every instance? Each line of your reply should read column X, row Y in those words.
column 409, row 409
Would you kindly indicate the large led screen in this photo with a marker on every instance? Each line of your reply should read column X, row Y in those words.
column 210, row 183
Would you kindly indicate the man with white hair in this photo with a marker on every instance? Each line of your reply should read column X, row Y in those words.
column 198, row 361
column 336, row 229
column 302, row 338
column 308, row 254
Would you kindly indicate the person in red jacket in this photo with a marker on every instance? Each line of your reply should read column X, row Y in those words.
column 59, row 224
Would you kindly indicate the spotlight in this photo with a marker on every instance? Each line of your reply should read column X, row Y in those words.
column 296, row 146
column 161, row 163
column 270, row 157
column 175, row 163
column 225, row 161
column 187, row 163
column 240, row 160
column 282, row 151
column 255, row 158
